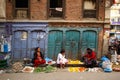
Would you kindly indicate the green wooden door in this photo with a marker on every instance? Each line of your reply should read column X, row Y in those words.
column 72, row 43
column 89, row 40
column 55, row 40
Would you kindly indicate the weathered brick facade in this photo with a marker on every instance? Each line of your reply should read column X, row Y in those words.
column 73, row 16
column 73, row 10
column 9, row 10
column 38, row 10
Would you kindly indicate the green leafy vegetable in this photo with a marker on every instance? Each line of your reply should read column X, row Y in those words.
column 46, row 69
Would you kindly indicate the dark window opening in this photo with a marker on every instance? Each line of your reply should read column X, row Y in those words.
column 89, row 9
column 89, row 14
column 21, row 3
column 21, row 9
column 55, row 3
column 111, row 27
column 56, row 8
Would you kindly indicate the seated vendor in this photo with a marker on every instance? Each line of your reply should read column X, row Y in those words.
column 61, row 60
column 90, row 58
column 38, row 58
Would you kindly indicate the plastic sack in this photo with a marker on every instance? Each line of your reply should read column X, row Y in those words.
column 107, row 70
column 104, row 58
column 107, row 66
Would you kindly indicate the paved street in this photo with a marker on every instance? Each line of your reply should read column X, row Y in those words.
column 61, row 75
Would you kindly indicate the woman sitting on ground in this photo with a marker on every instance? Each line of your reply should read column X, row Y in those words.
column 38, row 58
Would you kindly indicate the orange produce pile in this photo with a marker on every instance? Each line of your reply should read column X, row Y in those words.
column 77, row 69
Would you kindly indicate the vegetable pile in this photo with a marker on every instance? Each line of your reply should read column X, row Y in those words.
column 83, row 69
column 76, row 69
column 74, row 62
column 46, row 69
column 116, row 68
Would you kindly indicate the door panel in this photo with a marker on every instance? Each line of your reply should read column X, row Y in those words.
column 20, row 46
column 55, row 40
column 72, row 44
column 89, row 40
column 37, row 40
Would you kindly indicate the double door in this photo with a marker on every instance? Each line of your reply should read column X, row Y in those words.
column 24, row 43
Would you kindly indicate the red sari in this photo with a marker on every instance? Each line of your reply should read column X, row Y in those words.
column 39, row 60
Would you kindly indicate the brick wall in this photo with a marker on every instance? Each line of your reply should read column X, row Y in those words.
column 39, row 8
column 73, row 10
column 9, row 10
column 101, row 10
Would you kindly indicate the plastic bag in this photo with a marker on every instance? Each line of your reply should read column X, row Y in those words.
column 106, row 64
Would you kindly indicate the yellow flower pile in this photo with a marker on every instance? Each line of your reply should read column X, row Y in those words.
column 76, row 69
column 74, row 62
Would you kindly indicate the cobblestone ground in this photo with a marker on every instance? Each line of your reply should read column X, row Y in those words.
column 61, row 74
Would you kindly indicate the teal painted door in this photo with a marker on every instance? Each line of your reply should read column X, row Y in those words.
column 89, row 40
column 72, row 44
column 55, row 40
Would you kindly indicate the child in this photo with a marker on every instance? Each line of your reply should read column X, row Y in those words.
column 61, row 60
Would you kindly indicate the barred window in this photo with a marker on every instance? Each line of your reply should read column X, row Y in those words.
column 21, row 9
column 56, row 8
column 89, row 9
